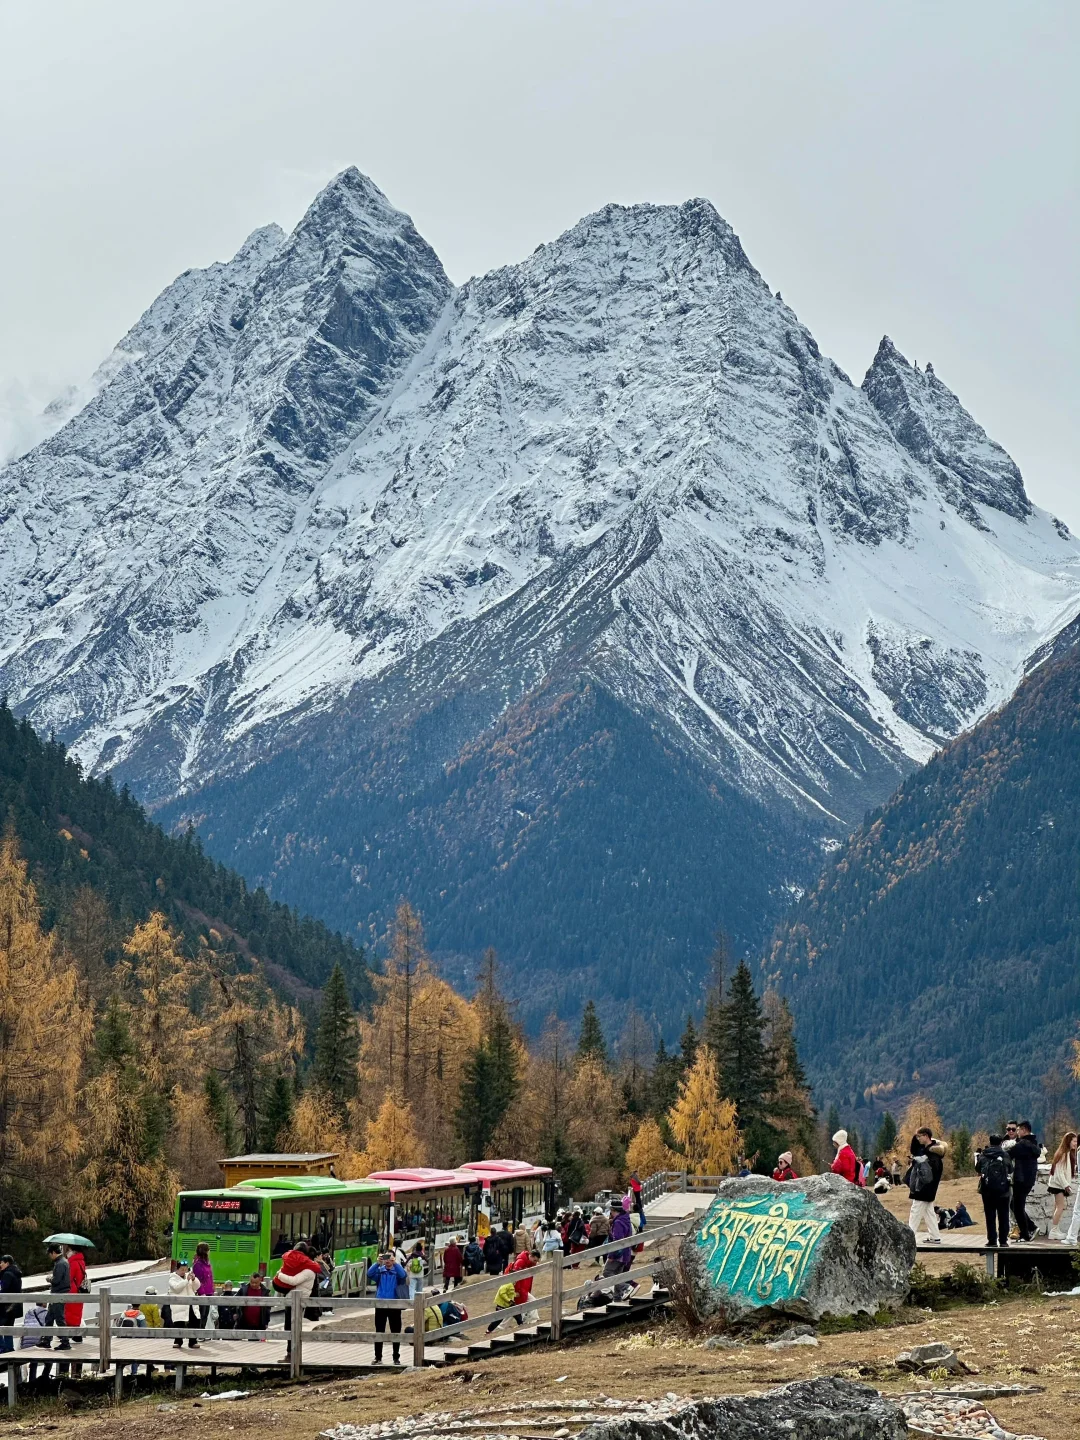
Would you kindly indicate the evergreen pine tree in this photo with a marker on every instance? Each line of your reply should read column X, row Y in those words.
column 220, row 1110
column 491, row 1078
column 886, row 1135
column 591, row 1039
column 832, row 1121
column 667, row 1071
column 277, row 1112
column 745, row 1065
column 334, row 1070
column 688, row 1045
column 567, row 1167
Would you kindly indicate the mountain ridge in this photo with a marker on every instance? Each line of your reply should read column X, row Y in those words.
column 622, row 463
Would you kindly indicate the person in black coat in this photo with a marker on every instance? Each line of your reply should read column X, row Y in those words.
column 994, row 1167
column 493, row 1255
column 11, row 1284
column 1025, row 1158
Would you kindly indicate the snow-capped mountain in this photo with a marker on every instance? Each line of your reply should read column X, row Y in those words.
column 318, row 491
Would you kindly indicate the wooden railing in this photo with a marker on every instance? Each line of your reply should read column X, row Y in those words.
column 104, row 1315
column 665, row 1182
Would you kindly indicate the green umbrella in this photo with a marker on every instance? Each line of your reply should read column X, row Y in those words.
column 65, row 1237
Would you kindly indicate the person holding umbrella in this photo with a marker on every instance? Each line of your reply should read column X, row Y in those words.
column 71, row 1250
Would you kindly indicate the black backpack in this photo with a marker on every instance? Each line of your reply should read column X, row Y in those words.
column 920, row 1175
column 995, row 1174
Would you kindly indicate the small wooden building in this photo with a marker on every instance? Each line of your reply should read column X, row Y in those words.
column 263, row 1167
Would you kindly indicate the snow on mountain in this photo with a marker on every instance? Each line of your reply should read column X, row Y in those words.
column 303, row 467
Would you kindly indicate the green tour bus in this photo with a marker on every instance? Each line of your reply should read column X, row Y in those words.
column 249, row 1227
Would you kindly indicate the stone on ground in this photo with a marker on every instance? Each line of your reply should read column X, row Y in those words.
column 806, row 1248
column 825, row 1409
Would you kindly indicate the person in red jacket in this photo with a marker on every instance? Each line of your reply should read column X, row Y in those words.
column 452, row 1258
column 522, row 1288
column 299, row 1271
column 783, row 1169
column 73, row 1313
column 846, row 1163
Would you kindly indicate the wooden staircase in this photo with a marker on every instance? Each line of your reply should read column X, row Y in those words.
column 580, row 1323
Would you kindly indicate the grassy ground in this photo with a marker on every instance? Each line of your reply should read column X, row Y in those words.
column 1033, row 1340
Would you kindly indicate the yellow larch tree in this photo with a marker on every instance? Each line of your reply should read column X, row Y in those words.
column 648, row 1152
column 444, row 1030
column 593, row 1112
column 391, row 1142
column 44, row 1031
column 921, row 1112
column 705, row 1125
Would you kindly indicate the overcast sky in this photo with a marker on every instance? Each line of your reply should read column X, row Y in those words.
column 904, row 167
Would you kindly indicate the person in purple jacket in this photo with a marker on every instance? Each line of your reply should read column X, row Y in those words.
column 619, row 1261
column 204, row 1274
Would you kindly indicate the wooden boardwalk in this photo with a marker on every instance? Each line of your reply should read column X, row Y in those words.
column 330, row 1346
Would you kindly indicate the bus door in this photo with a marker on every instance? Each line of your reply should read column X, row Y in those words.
column 325, row 1234
column 517, row 1206
column 474, row 1208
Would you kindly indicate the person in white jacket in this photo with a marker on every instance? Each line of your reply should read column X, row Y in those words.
column 1063, row 1179
column 182, row 1283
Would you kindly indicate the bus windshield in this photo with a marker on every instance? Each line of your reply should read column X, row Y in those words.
column 220, row 1214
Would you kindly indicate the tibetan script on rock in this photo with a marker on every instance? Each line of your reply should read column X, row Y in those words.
column 760, row 1249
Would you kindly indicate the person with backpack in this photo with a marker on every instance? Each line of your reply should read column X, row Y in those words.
column 1025, row 1158
column 493, row 1260
column 846, row 1163
column 473, row 1257
column 994, row 1168
column 927, row 1161
column 127, row 1321
column 415, row 1267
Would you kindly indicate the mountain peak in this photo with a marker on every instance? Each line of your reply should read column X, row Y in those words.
column 929, row 421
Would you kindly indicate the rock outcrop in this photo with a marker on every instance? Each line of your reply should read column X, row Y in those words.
column 825, row 1409
column 809, row 1248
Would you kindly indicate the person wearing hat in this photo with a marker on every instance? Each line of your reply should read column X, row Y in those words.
column 846, row 1162
column 783, row 1169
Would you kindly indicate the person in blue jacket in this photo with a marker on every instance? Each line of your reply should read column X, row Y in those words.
column 386, row 1275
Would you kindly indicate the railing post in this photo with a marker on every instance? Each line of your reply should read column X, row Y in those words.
column 104, row 1321
column 12, row 1386
column 556, row 1296
column 418, row 1330
column 682, row 1182
column 296, row 1335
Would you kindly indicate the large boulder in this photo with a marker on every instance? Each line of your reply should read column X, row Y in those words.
column 825, row 1409
column 809, row 1248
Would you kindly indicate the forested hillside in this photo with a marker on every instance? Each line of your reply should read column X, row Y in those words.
column 940, row 949
column 99, row 866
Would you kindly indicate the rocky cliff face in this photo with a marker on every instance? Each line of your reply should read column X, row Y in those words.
column 322, row 501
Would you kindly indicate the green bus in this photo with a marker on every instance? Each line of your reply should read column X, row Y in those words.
column 250, row 1225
